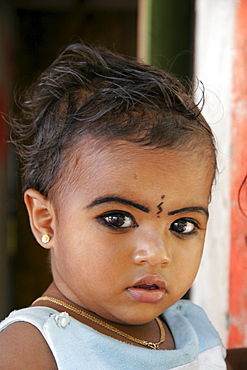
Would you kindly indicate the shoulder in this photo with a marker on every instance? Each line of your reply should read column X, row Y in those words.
column 193, row 313
column 192, row 318
column 22, row 345
column 186, row 306
column 188, row 310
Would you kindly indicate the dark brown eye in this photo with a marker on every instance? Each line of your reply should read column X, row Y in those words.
column 184, row 226
column 118, row 220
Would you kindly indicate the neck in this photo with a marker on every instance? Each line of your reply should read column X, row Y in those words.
column 148, row 331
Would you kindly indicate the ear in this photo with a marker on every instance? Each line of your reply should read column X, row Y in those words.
column 41, row 215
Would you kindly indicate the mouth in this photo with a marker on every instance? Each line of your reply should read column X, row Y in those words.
column 150, row 289
column 147, row 286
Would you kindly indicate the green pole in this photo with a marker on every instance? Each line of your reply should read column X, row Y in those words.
column 169, row 35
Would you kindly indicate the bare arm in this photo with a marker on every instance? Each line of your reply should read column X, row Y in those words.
column 22, row 347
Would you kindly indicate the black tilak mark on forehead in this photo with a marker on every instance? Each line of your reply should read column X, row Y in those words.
column 159, row 205
column 159, row 208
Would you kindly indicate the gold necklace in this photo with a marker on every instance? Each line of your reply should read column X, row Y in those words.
column 108, row 326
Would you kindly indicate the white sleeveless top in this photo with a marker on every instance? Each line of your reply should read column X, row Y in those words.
column 76, row 346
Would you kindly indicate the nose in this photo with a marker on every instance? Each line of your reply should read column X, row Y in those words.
column 152, row 248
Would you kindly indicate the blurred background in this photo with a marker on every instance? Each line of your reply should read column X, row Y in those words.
column 201, row 38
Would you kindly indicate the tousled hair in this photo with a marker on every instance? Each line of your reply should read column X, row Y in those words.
column 93, row 92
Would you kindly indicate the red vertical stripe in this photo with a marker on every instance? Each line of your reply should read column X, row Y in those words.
column 238, row 252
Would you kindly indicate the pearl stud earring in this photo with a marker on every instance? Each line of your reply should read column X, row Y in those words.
column 45, row 238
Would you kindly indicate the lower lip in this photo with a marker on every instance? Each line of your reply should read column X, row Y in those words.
column 146, row 296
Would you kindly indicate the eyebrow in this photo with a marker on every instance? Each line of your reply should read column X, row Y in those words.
column 102, row 200
column 190, row 209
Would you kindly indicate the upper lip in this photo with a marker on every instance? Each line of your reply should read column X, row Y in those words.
column 150, row 280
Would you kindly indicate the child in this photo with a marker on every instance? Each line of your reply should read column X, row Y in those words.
column 118, row 165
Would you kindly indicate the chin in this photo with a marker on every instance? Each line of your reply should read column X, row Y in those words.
column 134, row 317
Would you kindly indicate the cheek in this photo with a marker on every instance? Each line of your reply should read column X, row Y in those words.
column 189, row 256
column 185, row 272
column 89, row 255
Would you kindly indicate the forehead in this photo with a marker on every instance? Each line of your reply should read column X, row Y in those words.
column 126, row 167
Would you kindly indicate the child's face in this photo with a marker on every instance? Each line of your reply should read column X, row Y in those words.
column 129, row 229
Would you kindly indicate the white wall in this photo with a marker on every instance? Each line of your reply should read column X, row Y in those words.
column 213, row 66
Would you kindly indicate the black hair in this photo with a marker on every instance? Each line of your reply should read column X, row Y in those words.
column 93, row 92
